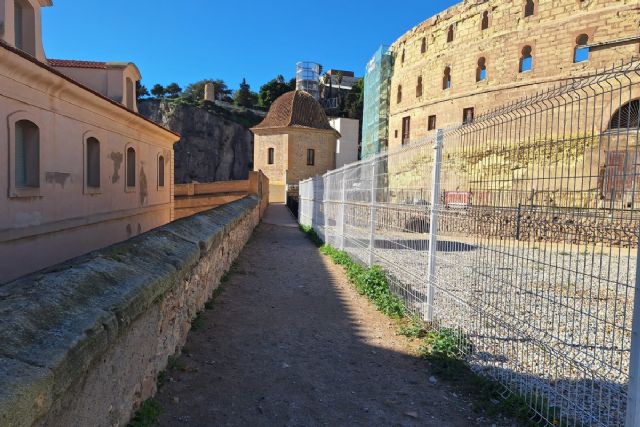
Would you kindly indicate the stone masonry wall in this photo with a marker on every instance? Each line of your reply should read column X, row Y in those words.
column 551, row 32
column 83, row 342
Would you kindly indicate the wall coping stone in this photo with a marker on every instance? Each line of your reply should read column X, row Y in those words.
column 55, row 323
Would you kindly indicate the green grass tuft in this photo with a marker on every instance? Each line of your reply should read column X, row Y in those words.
column 147, row 415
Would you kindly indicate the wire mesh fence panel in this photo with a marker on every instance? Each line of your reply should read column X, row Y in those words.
column 523, row 250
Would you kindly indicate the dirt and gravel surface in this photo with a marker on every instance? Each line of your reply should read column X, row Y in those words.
column 290, row 343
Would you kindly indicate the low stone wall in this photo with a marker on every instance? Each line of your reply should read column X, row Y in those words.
column 83, row 342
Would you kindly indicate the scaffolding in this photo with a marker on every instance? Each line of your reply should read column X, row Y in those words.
column 377, row 83
column 308, row 78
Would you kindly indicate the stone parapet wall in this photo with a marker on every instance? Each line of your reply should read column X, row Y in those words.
column 83, row 342
column 533, row 224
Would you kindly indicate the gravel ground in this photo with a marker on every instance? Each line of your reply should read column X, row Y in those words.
column 289, row 342
column 550, row 321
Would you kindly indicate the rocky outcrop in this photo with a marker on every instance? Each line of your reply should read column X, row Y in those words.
column 212, row 148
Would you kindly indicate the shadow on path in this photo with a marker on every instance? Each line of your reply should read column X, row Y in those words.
column 289, row 342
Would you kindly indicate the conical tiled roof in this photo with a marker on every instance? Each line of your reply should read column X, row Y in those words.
column 296, row 109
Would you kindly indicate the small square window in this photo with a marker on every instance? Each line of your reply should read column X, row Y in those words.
column 431, row 123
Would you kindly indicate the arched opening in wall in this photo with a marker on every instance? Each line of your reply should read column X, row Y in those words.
column 161, row 171
column 484, row 24
column 25, row 26
column 93, row 162
column 529, row 8
column 581, row 51
column 423, row 46
column 419, row 87
column 130, row 96
column 131, row 167
column 271, row 154
column 450, row 33
column 402, row 56
column 627, row 116
column 446, row 78
column 27, row 154
column 399, row 95
column 526, row 59
column 481, row 71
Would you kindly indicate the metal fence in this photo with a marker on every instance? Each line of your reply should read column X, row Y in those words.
column 518, row 234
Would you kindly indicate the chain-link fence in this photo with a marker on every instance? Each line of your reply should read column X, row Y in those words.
column 518, row 233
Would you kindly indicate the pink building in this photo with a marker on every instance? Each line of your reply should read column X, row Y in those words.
column 82, row 170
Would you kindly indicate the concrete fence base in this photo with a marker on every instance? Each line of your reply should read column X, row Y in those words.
column 82, row 343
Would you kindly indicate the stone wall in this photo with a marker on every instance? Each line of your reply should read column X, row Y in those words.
column 83, row 342
column 424, row 52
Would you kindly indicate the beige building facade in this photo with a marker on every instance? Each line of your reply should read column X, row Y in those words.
column 479, row 55
column 294, row 142
column 83, row 169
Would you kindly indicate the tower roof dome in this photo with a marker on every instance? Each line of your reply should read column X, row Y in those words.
column 296, row 109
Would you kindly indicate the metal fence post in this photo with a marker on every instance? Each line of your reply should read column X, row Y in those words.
column 633, row 393
column 433, row 223
column 342, row 209
column 372, row 225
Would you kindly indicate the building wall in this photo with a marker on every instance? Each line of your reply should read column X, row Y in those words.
column 551, row 32
column 110, row 82
column 324, row 145
column 63, row 217
column 277, row 171
column 347, row 144
column 290, row 160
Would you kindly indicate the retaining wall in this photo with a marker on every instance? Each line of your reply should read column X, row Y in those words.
column 82, row 343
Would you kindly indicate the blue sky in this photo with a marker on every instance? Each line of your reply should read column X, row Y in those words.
column 189, row 40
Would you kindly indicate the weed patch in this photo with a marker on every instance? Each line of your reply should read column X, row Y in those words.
column 197, row 323
column 370, row 282
column 147, row 414
column 311, row 234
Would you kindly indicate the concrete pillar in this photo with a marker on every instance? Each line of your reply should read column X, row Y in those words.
column 209, row 92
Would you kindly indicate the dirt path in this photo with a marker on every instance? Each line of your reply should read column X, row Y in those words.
column 290, row 343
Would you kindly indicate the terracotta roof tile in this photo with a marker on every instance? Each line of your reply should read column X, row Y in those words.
column 71, row 63
column 295, row 109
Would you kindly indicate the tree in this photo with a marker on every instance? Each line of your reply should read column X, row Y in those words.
column 158, row 91
column 141, row 91
column 194, row 93
column 173, row 90
column 243, row 97
column 354, row 103
column 273, row 89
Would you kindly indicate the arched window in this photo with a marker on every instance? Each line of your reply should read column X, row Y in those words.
column 529, row 8
column 27, row 154
column 581, row 51
column 627, row 116
column 446, row 79
column 402, row 56
column 423, row 46
column 481, row 71
column 131, row 167
column 450, row 34
column 161, row 171
column 271, row 152
column 419, row 87
column 130, row 96
column 399, row 95
column 25, row 26
column 526, row 59
column 93, row 163
column 484, row 24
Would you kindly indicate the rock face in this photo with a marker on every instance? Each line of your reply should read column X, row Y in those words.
column 212, row 148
